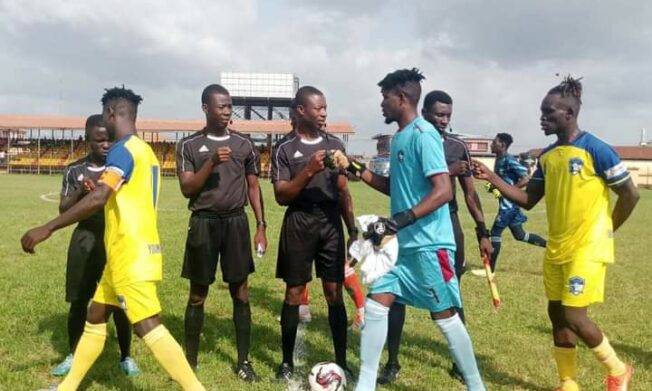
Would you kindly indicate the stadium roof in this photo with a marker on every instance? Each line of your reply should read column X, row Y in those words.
column 9, row 121
column 629, row 152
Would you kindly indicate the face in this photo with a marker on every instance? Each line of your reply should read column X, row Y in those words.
column 497, row 146
column 99, row 142
column 218, row 110
column 313, row 111
column 439, row 115
column 390, row 105
column 555, row 116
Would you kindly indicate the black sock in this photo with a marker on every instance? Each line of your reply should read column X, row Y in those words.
column 536, row 240
column 123, row 331
column 494, row 255
column 289, row 325
column 76, row 322
column 395, row 320
column 193, row 324
column 338, row 322
column 242, row 323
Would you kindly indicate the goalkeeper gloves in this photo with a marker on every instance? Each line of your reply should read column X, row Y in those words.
column 387, row 227
column 355, row 167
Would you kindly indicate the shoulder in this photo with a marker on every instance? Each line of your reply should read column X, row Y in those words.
column 81, row 163
column 242, row 138
column 591, row 142
column 333, row 141
column 190, row 138
column 285, row 140
column 421, row 126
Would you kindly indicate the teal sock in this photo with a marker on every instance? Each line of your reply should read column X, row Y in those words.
column 461, row 349
column 372, row 341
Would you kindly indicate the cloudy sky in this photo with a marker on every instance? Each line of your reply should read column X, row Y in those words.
column 496, row 58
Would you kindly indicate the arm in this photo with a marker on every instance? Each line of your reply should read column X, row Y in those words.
column 191, row 183
column 256, row 199
column 83, row 209
column 475, row 209
column 67, row 201
column 627, row 198
column 285, row 191
column 378, row 182
column 526, row 199
column 440, row 194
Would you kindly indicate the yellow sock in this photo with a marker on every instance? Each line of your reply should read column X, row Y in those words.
column 607, row 356
column 169, row 354
column 88, row 349
column 569, row 385
column 566, row 359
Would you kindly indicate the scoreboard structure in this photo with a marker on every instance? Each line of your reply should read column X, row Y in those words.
column 260, row 96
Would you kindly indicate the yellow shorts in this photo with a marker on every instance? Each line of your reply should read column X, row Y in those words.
column 138, row 300
column 575, row 284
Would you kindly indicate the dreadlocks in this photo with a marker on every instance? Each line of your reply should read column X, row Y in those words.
column 406, row 81
column 120, row 95
column 571, row 90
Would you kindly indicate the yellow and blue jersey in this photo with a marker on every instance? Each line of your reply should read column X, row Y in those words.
column 131, row 236
column 576, row 181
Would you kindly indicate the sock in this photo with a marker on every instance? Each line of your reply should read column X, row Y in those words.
column 495, row 242
column 372, row 340
column 536, row 240
column 352, row 286
column 76, row 322
column 289, row 324
column 193, row 324
column 89, row 347
column 607, row 356
column 461, row 349
column 395, row 321
column 566, row 359
column 123, row 331
column 170, row 355
column 338, row 322
column 242, row 323
column 305, row 299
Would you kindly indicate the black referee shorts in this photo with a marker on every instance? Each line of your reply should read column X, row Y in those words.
column 460, row 262
column 214, row 237
column 307, row 235
column 86, row 260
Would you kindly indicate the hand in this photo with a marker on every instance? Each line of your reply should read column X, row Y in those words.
column 378, row 230
column 88, row 185
column 480, row 171
column 33, row 237
column 223, row 154
column 459, row 168
column 316, row 162
column 486, row 249
column 355, row 167
column 350, row 241
column 260, row 240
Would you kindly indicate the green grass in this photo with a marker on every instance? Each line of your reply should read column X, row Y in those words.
column 512, row 345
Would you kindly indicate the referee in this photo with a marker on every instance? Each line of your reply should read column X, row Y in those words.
column 218, row 172
column 312, row 228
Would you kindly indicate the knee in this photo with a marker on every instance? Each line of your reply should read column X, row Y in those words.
column 334, row 297
column 196, row 299
column 293, row 295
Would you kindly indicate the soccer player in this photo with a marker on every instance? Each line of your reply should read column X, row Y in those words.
column 312, row 226
column 86, row 252
column 575, row 174
column 438, row 109
column 509, row 215
column 424, row 274
column 128, row 191
column 218, row 171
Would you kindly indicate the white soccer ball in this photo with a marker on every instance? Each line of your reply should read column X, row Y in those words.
column 327, row 376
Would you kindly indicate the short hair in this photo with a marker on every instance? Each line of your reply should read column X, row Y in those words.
column 436, row 96
column 122, row 94
column 93, row 121
column 212, row 89
column 303, row 93
column 570, row 88
column 407, row 81
column 505, row 138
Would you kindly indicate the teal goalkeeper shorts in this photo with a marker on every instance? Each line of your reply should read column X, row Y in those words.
column 423, row 279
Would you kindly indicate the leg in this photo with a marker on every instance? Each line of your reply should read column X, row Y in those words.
column 194, row 321
column 90, row 345
column 304, row 307
column 496, row 233
column 459, row 346
column 290, row 321
column 395, row 322
column 460, row 261
column 123, row 331
column 241, row 318
column 76, row 320
column 521, row 235
column 352, row 286
column 564, row 349
column 336, row 319
column 373, row 338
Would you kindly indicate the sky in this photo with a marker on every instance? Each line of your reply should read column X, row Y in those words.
column 497, row 59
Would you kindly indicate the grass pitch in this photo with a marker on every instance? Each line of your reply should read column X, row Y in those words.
column 512, row 345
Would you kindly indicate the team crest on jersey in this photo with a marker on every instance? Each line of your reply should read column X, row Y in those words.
column 401, row 155
column 576, row 285
column 575, row 165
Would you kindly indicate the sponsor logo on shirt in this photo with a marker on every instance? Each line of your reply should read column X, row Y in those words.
column 80, row 177
column 203, row 148
column 297, row 155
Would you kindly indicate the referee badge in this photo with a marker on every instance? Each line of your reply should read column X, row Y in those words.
column 576, row 285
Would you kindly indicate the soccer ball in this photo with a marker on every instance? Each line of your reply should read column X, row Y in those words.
column 327, row 376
